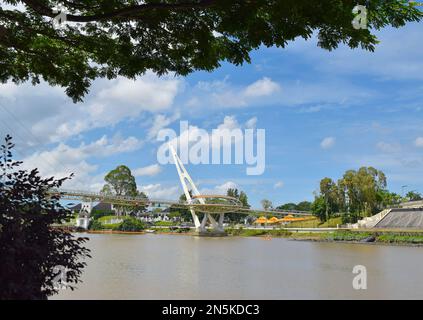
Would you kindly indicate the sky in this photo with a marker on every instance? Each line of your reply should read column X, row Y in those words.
column 323, row 113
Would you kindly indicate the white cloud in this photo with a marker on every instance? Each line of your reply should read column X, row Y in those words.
column 220, row 189
column 224, row 94
column 46, row 113
column 262, row 87
column 158, row 191
column 222, row 136
column 278, row 185
column 327, row 143
column 146, row 93
column 8, row 90
column 64, row 160
column 251, row 123
column 419, row 142
column 388, row 147
column 161, row 121
column 151, row 170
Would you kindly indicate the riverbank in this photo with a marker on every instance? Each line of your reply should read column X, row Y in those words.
column 388, row 237
column 414, row 238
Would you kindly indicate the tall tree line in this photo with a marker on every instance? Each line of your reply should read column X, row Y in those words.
column 359, row 193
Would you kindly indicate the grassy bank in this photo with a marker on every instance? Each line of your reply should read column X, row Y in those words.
column 386, row 237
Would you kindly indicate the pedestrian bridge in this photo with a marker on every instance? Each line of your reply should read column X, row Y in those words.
column 213, row 207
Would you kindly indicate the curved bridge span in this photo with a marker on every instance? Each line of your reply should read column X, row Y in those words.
column 213, row 207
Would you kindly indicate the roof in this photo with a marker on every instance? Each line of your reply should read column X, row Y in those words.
column 103, row 206
column 76, row 207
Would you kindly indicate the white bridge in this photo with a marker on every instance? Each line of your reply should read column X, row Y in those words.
column 213, row 207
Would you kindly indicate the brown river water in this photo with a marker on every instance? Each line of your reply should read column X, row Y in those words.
column 154, row 266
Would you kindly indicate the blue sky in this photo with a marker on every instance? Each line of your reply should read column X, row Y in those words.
column 323, row 112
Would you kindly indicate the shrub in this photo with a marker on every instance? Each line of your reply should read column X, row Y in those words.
column 130, row 224
column 31, row 250
column 95, row 225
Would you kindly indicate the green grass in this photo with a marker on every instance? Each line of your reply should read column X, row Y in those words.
column 316, row 223
column 104, row 219
column 347, row 236
column 259, row 232
column 164, row 223
column 398, row 238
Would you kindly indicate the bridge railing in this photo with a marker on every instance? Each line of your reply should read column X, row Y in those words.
column 128, row 200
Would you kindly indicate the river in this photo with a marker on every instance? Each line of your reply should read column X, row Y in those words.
column 154, row 266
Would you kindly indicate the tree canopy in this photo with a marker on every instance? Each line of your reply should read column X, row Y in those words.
column 358, row 193
column 110, row 38
column 121, row 182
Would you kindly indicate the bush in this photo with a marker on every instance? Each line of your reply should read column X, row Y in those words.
column 164, row 223
column 95, row 225
column 130, row 224
column 96, row 214
column 30, row 249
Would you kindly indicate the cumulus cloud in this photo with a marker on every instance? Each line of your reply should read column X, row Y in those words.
column 251, row 123
column 388, row 147
column 147, row 93
column 278, row 185
column 158, row 191
column 50, row 116
column 151, row 170
column 262, row 87
column 419, row 142
column 220, row 189
column 224, row 94
column 64, row 160
column 160, row 121
column 327, row 142
column 224, row 135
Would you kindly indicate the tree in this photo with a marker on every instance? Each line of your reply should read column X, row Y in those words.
column 360, row 189
column 131, row 224
column 329, row 192
column 33, row 254
column 304, row 206
column 121, row 182
column 106, row 190
column 110, row 38
column 288, row 206
column 266, row 204
column 232, row 192
column 413, row 196
column 388, row 199
column 243, row 198
column 181, row 212
column 319, row 209
column 358, row 193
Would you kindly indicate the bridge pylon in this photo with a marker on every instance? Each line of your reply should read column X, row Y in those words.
column 217, row 228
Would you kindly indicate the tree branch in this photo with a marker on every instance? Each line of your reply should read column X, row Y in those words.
column 130, row 12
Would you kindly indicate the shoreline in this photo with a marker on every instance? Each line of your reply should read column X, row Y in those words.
column 372, row 237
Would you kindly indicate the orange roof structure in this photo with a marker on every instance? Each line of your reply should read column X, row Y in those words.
column 273, row 220
column 261, row 220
